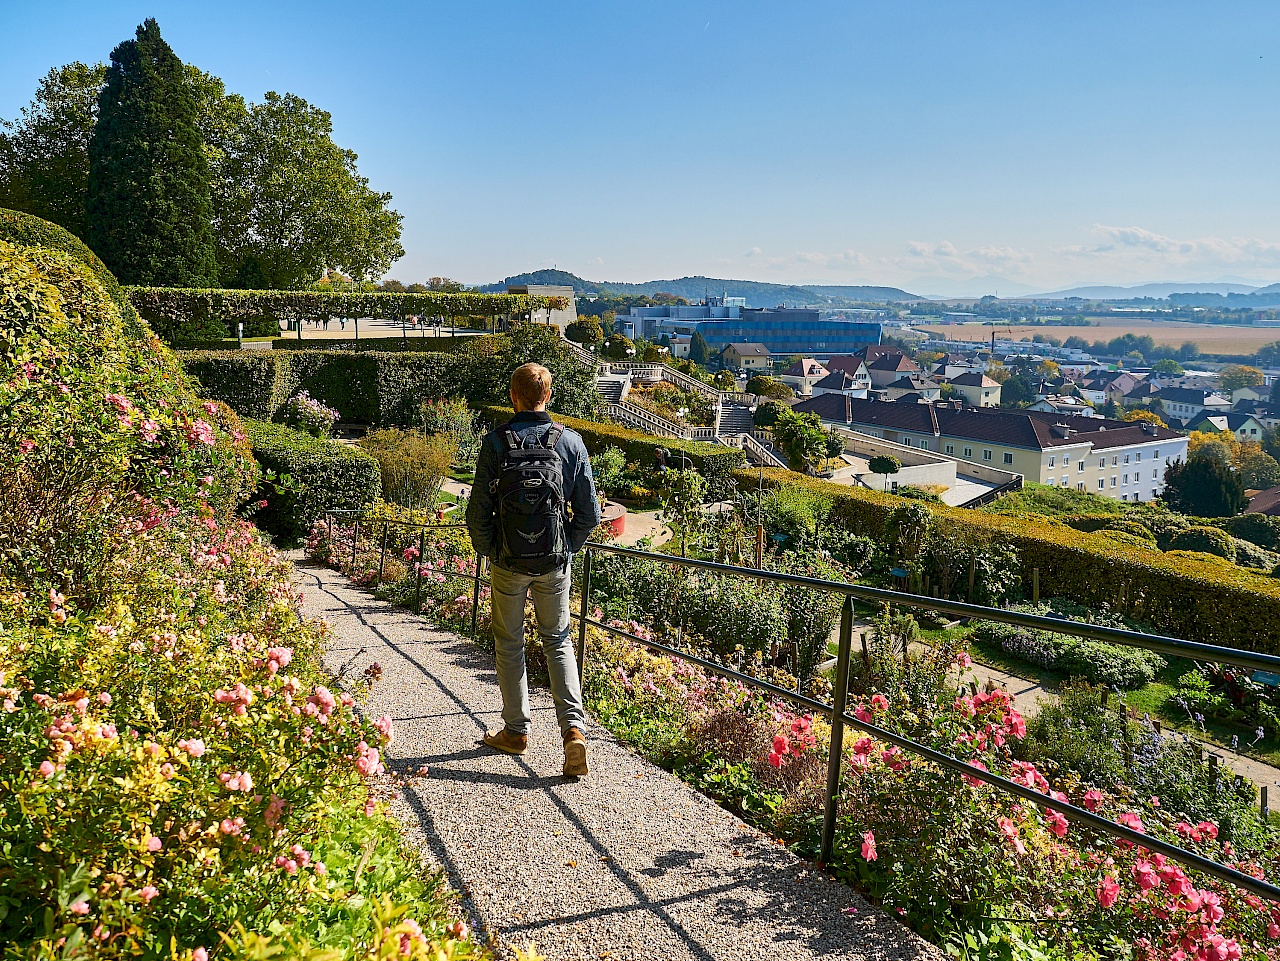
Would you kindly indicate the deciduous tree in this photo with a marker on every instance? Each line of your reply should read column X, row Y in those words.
column 1239, row 375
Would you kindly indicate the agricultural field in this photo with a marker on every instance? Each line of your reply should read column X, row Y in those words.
column 1210, row 338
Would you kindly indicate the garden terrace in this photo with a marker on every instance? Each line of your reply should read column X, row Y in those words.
column 899, row 757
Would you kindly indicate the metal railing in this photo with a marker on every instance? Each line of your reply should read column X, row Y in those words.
column 476, row 575
column 993, row 495
column 837, row 711
column 638, row 416
column 841, row 718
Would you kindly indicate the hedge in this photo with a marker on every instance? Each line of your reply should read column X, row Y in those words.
column 253, row 383
column 414, row 344
column 713, row 461
column 183, row 314
column 322, row 475
column 376, row 388
column 1097, row 663
column 27, row 230
column 1191, row 596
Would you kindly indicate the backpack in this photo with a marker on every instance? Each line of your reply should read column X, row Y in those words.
column 530, row 498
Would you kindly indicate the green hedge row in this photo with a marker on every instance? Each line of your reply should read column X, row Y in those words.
column 1193, row 596
column 414, row 343
column 713, row 461
column 322, row 475
column 183, row 315
column 367, row 387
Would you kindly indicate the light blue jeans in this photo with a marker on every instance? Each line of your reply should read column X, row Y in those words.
column 551, row 607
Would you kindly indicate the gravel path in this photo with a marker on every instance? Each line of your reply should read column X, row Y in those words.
column 627, row 863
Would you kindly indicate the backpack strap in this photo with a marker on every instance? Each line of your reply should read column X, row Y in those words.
column 513, row 442
column 553, row 436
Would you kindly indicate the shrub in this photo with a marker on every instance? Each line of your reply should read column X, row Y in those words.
column 769, row 387
column 714, row 462
column 412, row 465
column 1250, row 555
column 322, row 475
column 1134, row 529
column 309, row 416
column 1207, row 540
column 607, row 467
column 253, row 383
column 144, row 636
column 413, row 343
column 25, row 230
column 452, row 416
column 1180, row 594
column 1260, row 529
column 1096, row 662
column 768, row 413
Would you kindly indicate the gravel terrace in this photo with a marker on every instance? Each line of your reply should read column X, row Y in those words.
column 627, row 863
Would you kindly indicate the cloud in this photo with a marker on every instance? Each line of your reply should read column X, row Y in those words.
column 943, row 256
column 1141, row 247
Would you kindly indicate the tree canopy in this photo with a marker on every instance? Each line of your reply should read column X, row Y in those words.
column 44, row 155
column 1204, row 487
column 285, row 202
column 1238, row 375
column 148, row 205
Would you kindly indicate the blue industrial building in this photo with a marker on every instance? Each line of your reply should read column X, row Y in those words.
column 784, row 330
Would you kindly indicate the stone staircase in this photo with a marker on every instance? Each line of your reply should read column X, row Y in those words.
column 734, row 419
column 613, row 387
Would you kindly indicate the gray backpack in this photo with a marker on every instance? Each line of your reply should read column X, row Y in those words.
column 530, row 495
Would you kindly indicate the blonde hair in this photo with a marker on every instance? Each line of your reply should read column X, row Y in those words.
column 531, row 385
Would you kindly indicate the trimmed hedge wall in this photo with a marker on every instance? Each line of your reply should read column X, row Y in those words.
column 326, row 475
column 366, row 387
column 711, row 460
column 184, row 314
column 413, row 344
column 1192, row 596
column 250, row 382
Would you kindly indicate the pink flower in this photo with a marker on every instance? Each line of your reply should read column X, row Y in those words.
column 1057, row 823
column 104, row 699
column 199, row 954
column 1207, row 828
column 1010, row 832
column 879, row 702
column 194, row 747
column 239, row 781
column 1092, row 798
column 1144, row 873
column 863, row 746
column 775, row 759
column 148, row 894
column 79, row 907
column 780, row 744
column 154, row 843
column 1108, row 891
column 963, row 660
column 201, row 433
column 862, row 714
column 1155, row 801
column 1131, row 820
column 47, row 769
column 869, row 846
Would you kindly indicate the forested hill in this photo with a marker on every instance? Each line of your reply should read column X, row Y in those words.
column 757, row 293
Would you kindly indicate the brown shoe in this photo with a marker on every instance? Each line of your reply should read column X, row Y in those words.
column 575, row 753
column 507, row 742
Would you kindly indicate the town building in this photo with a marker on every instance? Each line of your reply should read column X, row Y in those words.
column 803, row 374
column 912, row 388
column 1244, row 426
column 843, row 382
column 1187, row 403
column 977, row 389
column 887, row 368
column 753, row 358
column 783, row 330
column 1106, row 457
column 1064, row 404
column 561, row 318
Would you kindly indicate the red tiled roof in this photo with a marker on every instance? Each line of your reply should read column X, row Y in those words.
column 1265, row 502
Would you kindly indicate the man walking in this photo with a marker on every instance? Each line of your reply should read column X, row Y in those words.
column 530, row 475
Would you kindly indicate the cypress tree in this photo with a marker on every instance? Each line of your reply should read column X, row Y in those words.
column 148, row 207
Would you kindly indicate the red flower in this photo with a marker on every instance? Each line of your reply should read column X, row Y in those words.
column 1108, row 891
column 869, row 846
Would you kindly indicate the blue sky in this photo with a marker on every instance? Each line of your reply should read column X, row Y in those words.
column 947, row 147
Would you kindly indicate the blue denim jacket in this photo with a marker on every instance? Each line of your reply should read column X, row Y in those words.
column 579, row 487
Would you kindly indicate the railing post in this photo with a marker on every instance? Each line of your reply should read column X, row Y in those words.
column 586, row 609
column 355, row 539
column 475, row 595
column 836, row 758
column 422, row 548
column 382, row 557
column 1035, row 585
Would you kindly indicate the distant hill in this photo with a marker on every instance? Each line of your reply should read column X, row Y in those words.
column 1157, row 291
column 757, row 293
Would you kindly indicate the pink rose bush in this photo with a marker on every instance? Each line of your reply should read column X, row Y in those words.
column 155, row 670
